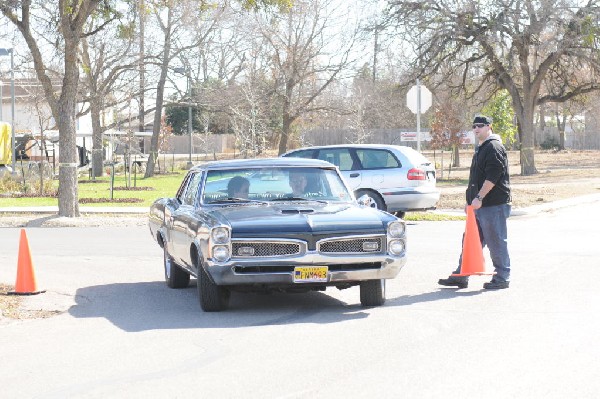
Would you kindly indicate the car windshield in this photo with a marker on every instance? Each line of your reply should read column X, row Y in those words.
column 225, row 186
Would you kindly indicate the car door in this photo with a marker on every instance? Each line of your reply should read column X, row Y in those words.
column 345, row 160
column 380, row 169
column 183, row 222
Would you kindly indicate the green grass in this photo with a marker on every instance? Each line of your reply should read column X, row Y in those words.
column 162, row 186
column 430, row 217
column 452, row 182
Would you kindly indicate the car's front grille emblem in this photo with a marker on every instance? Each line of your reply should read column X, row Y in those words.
column 245, row 251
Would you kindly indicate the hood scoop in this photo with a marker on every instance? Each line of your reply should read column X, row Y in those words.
column 295, row 211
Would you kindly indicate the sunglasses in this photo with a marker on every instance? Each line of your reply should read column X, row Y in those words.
column 480, row 125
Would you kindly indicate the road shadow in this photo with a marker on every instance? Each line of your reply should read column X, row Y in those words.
column 39, row 222
column 145, row 306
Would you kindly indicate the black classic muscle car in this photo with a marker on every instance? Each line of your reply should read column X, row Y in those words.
column 278, row 224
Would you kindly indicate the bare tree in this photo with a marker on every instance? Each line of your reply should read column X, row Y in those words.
column 70, row 27
column 517, row 45
column 183, row 25
column 106, row 58
column 308, row 52
column 248, row 121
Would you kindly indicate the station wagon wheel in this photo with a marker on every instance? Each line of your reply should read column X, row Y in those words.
column 175, row 277
column 372, row 292
column 377, row 201
column 213, row 298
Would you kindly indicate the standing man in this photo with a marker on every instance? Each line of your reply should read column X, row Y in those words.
column 489, row 195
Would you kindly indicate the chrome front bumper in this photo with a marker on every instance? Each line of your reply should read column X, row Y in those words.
column 225, row 273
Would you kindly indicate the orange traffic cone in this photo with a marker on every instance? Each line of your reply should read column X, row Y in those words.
column 472, row 254
column 26, row 284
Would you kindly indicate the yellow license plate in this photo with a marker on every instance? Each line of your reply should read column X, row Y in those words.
column 310, row 274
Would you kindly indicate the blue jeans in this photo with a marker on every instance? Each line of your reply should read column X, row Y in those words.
column 491, row 221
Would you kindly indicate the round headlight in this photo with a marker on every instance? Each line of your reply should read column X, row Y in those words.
column 220, row 235
column 396, row 247
column 221, row 253
column 396, row 229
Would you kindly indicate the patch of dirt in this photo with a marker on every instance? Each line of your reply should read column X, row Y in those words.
column 133, row 188
column 561, row 175
column 30, row 195
column 11, row 307
column 91, row 181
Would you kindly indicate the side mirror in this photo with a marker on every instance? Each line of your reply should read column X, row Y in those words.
column 365, row 200
column 172, row 204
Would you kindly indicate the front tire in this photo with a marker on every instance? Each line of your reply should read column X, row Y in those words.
column 175, row 276
column 213, row 298
column 372, row 292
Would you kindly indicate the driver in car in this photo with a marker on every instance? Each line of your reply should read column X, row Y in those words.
column 238, row 187
column 298, row 184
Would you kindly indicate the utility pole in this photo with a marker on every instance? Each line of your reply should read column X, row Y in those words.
column 141, row 126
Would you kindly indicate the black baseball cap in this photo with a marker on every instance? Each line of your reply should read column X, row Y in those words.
column 486, row 120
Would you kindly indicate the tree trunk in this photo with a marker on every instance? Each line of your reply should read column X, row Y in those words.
column 97, row 153
column 287, row 117
column 456, row 163
column 527, row 145
column 157, row 119
column 561, row 125
column 285, row 134
column 68, row 158
column 142, row 126
column 160, row 92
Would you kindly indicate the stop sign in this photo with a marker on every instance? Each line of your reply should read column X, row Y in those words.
column 411, row 98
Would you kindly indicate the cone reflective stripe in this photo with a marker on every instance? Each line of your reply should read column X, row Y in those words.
column 472, row 253
column 26, row 283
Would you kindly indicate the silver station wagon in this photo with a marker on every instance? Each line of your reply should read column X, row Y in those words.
column 397, row 178
column 279, row 224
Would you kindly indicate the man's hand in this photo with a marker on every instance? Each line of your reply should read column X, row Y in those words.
column 476, row 203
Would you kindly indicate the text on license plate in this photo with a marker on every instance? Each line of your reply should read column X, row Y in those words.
column 310, row 274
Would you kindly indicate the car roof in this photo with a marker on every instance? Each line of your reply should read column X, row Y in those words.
column 410, row 153
column 378, row 146
column 264, row 162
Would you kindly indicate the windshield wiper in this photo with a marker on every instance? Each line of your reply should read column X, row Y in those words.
column 298, row 199
column 232, row 200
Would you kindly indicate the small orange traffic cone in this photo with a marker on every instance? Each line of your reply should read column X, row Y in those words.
column 472, row 253
column 26, row 284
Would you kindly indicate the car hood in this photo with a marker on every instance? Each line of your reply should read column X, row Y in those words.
column 309, row 217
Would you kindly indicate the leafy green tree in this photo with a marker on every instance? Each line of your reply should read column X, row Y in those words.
column 501, row 110
column 177, row 117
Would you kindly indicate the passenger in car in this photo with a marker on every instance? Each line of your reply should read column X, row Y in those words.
column 238, row 187
column 298, row 183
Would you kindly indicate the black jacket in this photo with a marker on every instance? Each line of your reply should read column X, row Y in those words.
column 490, row 163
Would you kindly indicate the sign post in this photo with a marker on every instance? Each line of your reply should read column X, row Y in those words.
column 418, row 100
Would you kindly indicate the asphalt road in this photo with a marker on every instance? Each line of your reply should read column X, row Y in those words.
column 125, row 334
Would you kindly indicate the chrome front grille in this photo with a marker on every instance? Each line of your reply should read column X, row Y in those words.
column 264, row 249
column 352, row 245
